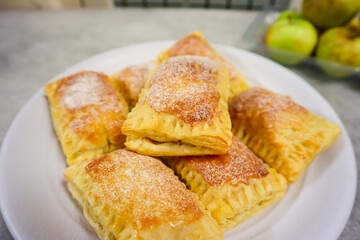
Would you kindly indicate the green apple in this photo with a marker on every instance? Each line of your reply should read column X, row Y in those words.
column 342, row 45
column 288, row 14
column 329, row 13
column 291, row 38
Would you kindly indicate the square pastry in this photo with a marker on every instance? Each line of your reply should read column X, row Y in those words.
column 130, row 80
column 182, row 110
column 87, row 115
column 126, row 195
column 233, row 187
column 196, row 44
column 284, row 134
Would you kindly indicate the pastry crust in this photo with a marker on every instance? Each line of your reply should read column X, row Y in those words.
column 286, row 135
column 125, row 195
column 233, row 187
column 87, row 115
column 182, row 110
column 196, row 44
column 130, row 80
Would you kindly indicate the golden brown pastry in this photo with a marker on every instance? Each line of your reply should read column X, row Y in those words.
column 233, row 187
column 131, row 80
column 87, row 115
column 182, row 110
column 286, row 135
column 125, row 195
column 196, row 44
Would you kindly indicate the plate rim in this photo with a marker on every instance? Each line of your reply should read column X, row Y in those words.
column 353, row 175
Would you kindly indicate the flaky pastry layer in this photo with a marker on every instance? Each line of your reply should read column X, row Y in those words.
column 87, row 115
column 286, row 135
column 196, row 44
column 125, row 195
column 233, row 187
column 182, row 110
column 130, row 80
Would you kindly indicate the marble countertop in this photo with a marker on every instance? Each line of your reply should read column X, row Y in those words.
column 37, row 45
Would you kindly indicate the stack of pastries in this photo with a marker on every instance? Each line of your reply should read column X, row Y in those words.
column 179, row 147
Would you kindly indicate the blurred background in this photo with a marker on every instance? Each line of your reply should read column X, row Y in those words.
column 289, row 41
column 63, row 4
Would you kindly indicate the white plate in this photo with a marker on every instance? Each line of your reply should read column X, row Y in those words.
column 36, row 204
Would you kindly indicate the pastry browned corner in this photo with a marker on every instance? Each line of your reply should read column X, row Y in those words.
column 233, row 187
column 286, row 135
column 182, row 110
column 125, row 195
column 130, row 80
column 196, row 44
column 87, row 115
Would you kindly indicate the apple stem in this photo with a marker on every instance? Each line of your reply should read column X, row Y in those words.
column 354, row 24
column 290, row 19
column 357, row 15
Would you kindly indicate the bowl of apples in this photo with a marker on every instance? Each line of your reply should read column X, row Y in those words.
column 325, row 33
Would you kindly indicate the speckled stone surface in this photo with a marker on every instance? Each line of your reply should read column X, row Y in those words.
column 37, row 45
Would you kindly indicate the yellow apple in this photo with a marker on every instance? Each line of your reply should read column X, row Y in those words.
column 342, row 45
column 329, row 13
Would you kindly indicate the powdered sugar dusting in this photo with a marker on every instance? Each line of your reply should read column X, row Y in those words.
column 142, row 70
column 264, row 103
column 185, row 86
column 193, row 44
column 87, row 88
column 144, row 189
column 193, row 68
column 134, row 77
column 238, row 165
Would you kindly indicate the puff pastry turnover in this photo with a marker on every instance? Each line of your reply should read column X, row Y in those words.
column 129, row 81
column 286, row 135
column 196, row 44
column 87, row 115
column 182, row 110
column 125, row 195
column 233, row 187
